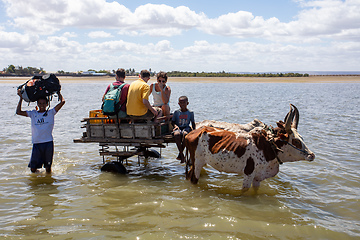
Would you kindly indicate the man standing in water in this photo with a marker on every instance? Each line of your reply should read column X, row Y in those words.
column 42, row 125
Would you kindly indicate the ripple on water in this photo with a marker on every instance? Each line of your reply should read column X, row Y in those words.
column 306, row 200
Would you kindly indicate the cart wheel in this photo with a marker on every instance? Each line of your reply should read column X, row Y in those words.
column 114, row 167
column 152, row 153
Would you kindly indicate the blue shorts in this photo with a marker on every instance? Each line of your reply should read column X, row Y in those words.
column 184, row 131
column 42, row 154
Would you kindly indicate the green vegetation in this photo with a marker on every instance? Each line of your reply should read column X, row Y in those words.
column 29, row 71
column 224, row 74
column 130, row 72
column 19, row 70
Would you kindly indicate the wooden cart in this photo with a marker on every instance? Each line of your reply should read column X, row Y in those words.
column 125, row 138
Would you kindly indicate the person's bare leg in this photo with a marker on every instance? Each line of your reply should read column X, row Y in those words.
column 166, row 111
column 182, row 157
column 178, row 141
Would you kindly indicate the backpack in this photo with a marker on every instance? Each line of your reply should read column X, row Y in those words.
column 40, row 87
column 111, row 104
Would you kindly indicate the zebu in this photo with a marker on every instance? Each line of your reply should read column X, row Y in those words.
column 254, row 149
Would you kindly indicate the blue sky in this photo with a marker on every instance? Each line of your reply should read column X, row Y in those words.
column 181, row 35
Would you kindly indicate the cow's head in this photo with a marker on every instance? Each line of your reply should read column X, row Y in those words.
column 290, row 141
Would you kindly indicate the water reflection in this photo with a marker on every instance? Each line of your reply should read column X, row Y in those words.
column 42, row 193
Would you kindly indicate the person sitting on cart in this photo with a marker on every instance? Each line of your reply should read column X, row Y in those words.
column 120, row 79
column 161, row 94
column 138, row 105
column 181, row 122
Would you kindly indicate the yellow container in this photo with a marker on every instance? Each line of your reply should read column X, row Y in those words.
column 99, row 114
column 96, row 114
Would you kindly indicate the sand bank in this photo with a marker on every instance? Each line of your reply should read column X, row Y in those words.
column 311, row 79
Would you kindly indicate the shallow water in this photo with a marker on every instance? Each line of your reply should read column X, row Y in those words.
column 306, row 200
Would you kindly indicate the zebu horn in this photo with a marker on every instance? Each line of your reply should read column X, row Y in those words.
column 288, row 120
column 296, row 119
column 286, row 116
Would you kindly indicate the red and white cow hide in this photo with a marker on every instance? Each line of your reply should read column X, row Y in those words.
column 253, row 150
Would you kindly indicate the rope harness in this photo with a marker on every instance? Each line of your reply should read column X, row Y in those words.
column 300, row 150
column 275, row 148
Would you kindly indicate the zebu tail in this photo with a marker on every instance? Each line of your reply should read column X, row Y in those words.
column 187, row 162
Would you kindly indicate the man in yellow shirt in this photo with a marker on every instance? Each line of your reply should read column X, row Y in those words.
column 138, row 104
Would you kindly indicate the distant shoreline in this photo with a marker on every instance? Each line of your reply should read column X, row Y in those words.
column 310, row 79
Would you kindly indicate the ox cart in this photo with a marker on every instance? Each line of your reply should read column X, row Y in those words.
column 124, row 138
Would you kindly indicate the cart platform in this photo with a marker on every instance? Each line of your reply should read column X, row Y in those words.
column 126, row 137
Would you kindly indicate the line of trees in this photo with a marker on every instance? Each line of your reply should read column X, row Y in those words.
column 225, row 74
column 129, row 72
column 30, row 71
column 21, row 71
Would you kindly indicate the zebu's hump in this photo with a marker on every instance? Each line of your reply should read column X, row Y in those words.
column 233, row 127
column 262, row 143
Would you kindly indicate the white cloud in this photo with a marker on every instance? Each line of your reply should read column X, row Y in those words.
column 323, row 36
column 131, row 33
column 164, row 16
column 16, row 40
column 55, row 53
column 69, row 34
column 55, row 15
column 318, row 19
column 156, row 32
column 162, row 47
column 99, row 34
column 47, row 17
column 243, row 25
column 327, row 19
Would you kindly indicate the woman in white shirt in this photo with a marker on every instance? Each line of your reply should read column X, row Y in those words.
column 161, row 94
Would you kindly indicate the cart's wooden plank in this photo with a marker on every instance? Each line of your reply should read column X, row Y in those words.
column 132, row 145
column 121, row 154
column 119, row 140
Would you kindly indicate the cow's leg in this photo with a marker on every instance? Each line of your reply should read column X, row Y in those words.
column 248, row 179
column 196, row 168
column 192, row 174
column 256, row 183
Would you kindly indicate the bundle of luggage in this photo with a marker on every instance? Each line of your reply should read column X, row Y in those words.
column 40, row 87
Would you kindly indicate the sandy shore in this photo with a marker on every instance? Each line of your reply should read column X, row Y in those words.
column 311, row 79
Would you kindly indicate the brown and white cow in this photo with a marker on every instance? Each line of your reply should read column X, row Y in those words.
column 253, row 150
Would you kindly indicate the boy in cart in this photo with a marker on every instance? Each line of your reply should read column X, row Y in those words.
column 181, row 122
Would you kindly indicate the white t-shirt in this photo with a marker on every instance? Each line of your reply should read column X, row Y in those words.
column 41, row 126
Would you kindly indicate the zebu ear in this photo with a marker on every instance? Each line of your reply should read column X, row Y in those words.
column 289, row 117
column 280, row 124
column 283, row 136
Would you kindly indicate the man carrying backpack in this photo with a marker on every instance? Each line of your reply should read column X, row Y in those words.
column 119, row 83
